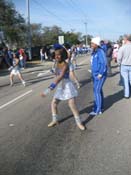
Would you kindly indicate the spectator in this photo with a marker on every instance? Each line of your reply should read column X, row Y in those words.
column 73, row 56
column 115, row 52
column 99, row 75
column 71, row 66
column 1, row 55
column 6, row 58
column 43, row 54
column 103, row 46
column 10, row 55
column 124, row 60
column 22, row 58
column 109, row 58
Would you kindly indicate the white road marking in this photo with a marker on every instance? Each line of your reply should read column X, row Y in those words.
column 11, row 125
column 43, row 73
column 6, row 104
column 84, row 61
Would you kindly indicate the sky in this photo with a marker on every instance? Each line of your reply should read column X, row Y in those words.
column 105, row 18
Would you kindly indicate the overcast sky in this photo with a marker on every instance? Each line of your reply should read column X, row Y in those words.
column 107, row 18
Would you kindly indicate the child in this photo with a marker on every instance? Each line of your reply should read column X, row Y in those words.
column 16, row 70
column 65, row 89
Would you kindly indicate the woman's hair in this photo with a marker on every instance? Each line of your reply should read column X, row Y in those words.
column 63, row 53
column 67, row 45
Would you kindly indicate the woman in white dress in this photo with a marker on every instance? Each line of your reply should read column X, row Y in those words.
column 65, row 89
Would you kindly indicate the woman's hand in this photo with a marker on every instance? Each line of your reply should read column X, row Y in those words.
column 99, row 76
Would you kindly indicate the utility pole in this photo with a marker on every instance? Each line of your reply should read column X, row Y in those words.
column 86, row 32
column 28, row 30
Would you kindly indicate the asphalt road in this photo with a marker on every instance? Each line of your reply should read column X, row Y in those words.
column 28, row 147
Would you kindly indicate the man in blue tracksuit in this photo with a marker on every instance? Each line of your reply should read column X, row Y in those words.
column 99, row 74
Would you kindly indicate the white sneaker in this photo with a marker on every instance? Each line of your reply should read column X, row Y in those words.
column 11, row 84
column 24, row 83
column 94, row 113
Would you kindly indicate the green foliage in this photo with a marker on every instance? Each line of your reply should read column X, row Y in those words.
column 12, row 23
column 50, row 35
column 72, row 38
column 36, row 34
column 15, row 29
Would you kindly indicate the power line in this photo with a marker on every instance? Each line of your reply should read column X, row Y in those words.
column 48, row 11
column 78, row 7
column 75, row 6
column 69, row 4
column 51, row 13
column 54, row 15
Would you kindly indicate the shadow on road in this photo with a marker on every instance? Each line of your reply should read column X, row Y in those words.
column 39, row 80
column 85, row 82
column 113, row 74
column 29, row 68
column 83, row 111
column 111, row 99
column 108, row 101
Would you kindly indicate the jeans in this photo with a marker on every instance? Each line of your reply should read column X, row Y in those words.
column 42, row 58
column 109, row 59
column 126, row 75
column 7, row 61
column 21, row 63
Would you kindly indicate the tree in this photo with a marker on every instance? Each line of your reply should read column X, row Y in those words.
column 36, row 32
column 50, row 35
column 12, row 23
column 73, row 38
column 88, row 39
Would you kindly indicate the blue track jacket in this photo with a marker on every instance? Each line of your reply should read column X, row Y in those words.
column 98, row 63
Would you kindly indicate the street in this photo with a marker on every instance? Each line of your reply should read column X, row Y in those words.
column 29, row 147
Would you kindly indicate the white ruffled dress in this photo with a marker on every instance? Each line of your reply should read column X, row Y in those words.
column 16, row 68
column 65, row 89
